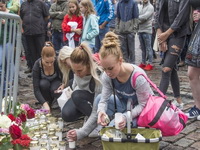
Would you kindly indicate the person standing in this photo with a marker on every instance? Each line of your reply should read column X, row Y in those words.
column 34, row 13
column 126, row 27
column 90, row 23
column 72, row 25
column 193, row 61
column 146, row 12
column 172, row 26
column 105, row 11
column 57, row 12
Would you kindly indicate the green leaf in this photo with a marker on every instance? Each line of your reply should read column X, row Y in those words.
column 18, row 147
column 25, row 130
column 6, row 145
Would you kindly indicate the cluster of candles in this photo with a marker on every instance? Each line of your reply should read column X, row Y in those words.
column 46, row 132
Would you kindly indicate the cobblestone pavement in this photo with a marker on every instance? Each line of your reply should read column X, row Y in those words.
column 188, row 139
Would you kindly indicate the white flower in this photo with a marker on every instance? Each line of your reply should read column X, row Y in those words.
column 5, row 122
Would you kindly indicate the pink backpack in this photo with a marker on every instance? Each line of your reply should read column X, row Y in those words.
column 160, row 113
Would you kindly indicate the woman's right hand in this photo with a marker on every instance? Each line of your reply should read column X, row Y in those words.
column 71, row 134
column 101, row 118
column 46, row 107
column 59, row 89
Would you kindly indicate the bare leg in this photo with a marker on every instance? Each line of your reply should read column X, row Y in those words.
column 194, row 74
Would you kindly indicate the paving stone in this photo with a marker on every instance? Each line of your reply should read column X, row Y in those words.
column 190, row 148
column 97, row 143
column 172, row 147
column 196, row 145
column 192, row 127
column 184, row 142
column 163, row 144
column 172, row 139
column 194, row 136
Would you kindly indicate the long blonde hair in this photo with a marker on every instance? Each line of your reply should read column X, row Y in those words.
column 87, row 4
column 64, row 53
column 83, row 54
column 111, row 46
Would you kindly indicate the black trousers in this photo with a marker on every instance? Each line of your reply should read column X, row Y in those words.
column 35, row 43
column 80, row 104
column 47, row 89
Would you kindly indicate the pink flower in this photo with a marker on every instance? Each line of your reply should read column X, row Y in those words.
column 18, row 121
column 3, row 130
column 25, row 107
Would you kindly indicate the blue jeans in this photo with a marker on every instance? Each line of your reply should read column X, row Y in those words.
column 121, row 107
column 128, row 47
column 99, row 38
column 145, row 43
column 57, row 39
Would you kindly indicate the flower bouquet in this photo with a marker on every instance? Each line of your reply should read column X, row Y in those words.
column 13, row 130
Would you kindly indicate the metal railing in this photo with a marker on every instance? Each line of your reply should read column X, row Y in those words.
column 10, row 50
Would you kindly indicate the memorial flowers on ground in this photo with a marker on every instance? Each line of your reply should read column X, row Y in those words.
column 13, row 130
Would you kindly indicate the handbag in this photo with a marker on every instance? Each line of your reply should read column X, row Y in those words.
column 160, row 113
column 64, row 97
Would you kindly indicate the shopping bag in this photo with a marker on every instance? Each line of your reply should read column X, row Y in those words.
column 64, row 97
column 161, row 113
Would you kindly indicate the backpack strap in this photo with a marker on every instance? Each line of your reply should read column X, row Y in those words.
column 150, row 82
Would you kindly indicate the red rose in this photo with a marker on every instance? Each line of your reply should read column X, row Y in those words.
column 15, row 131
column 12, row 117
column 30, row 113
column 24, row 141
column 22, row 116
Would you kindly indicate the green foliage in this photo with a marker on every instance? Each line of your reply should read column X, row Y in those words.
column 5, row 144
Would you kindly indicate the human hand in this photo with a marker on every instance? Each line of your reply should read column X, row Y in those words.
column 49, row 34
column 59, row 89
column 196, row 15
column 78, row 31
column 162, row 37
column 46, row 107
column 60, row 12
column 102, row 119
column 3, row 21
column 101, row 26
column 122, row 124
column 163, row 47
column 71, row 134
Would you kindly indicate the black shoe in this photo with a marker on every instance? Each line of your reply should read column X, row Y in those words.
column 154, row 56
column 28, row 71
column 30, row 75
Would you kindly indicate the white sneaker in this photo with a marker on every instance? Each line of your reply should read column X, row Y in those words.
column 198, row 117
column 180, row 106
column 95, row 132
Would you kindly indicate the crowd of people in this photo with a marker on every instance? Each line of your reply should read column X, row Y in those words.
column 85, row 51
